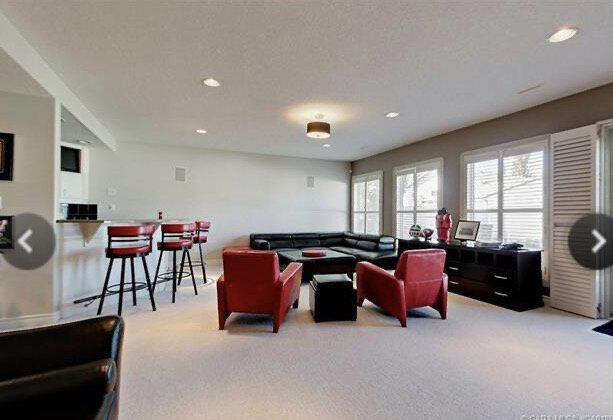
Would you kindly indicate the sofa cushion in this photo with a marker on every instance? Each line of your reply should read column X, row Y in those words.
column 369, row 242
column 276, row 240
column 367, row 245
column 260, row 244
column 362, row 255
column 350, row 240
column 331, row 239
column 301, row 240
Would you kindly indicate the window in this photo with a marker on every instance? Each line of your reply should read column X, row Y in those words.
column 418, row 196
column 366, row 208
column 504, row 191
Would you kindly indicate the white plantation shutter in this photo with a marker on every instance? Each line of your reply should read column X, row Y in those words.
column 417, row 196
column 367, row 202
column 573, row 195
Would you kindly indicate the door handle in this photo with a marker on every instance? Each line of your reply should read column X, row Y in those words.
column 500, row 277
column 453, row 268
column 501, row 294
column 454, row 282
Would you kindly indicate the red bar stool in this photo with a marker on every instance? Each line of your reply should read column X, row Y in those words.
column 135, row 242
column 176, row 237
column 201, row 237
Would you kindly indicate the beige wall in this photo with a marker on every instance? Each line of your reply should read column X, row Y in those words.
column 239, row 193
column 563, row 114
column 27, row 296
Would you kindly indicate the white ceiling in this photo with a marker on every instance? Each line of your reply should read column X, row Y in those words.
column 443, row 65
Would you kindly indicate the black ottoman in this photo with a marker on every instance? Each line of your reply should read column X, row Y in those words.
column 332, row 298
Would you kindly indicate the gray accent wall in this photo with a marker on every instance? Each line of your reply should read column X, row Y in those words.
column 570, row 112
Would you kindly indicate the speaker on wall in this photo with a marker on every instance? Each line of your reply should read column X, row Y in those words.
column 180, row 174
column 310, row 181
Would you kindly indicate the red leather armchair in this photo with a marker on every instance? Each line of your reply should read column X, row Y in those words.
column 252, row 283
column 418, row 281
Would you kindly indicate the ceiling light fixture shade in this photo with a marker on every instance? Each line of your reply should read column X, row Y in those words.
column 318, row 130
column 563, row 34
column 210, row 82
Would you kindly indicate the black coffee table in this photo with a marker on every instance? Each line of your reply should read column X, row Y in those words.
column 332, row 263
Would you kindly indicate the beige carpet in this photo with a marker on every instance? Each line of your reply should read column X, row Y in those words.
column 482, row 362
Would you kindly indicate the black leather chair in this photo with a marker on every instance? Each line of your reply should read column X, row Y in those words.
column 68, row 371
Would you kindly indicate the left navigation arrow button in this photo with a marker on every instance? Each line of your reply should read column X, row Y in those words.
column 23, row 241
column 35, row 243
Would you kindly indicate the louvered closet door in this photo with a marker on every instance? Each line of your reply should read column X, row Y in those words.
column 572, row 195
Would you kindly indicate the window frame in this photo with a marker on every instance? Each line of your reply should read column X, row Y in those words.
column 436, row 163
column 518, row 147
column 375, row 175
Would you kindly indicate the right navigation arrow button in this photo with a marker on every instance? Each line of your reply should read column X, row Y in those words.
column 590, row 241
column 601, row 241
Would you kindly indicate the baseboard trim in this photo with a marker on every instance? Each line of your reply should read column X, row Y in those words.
column 28, row 321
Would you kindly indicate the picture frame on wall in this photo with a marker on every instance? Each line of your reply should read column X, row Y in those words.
column 6, row 232
column 6, row 156
column 466, row 230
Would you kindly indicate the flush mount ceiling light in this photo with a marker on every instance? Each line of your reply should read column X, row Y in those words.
column 201, row 131
column 392, row 114
column 563, row 34
column 318, row 130
column 210, row 82
column 326, row 145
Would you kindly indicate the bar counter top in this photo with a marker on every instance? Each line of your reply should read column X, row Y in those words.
column 110, row 221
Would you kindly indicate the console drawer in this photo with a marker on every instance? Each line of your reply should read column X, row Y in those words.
column 503, row 279
column 462, row 285
column 503, row 297
column 475, row 272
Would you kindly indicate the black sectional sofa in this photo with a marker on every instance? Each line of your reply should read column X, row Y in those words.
column 379, row 250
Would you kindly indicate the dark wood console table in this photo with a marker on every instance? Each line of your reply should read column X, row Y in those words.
column 507, row 278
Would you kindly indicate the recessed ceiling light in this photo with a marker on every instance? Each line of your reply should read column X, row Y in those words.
column 210, row 82
column 85, row 142
column 563, row 34
column 392, row 114
column 201, row 131
column 326, row 145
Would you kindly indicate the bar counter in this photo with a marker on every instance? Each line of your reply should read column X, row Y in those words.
column 81, row 261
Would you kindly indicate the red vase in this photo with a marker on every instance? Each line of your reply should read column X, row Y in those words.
column 444, row 222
